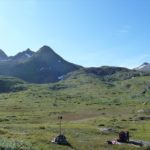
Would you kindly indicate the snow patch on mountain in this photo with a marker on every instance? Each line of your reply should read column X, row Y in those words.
column 28, row 55
column 61, row 77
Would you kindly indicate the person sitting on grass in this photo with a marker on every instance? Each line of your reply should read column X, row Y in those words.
column 123, row 136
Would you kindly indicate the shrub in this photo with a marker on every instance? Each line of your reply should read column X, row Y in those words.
column 11, row 144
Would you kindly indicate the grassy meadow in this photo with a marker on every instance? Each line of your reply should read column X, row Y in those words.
column 28, row 118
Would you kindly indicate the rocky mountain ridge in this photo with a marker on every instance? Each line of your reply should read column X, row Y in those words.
column 42, row 66
column 45, row 66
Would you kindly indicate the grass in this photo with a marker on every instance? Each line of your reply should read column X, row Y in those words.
column 86, row 104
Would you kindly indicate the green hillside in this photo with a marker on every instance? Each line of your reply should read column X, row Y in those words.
column 10, row 84
column 87, row 101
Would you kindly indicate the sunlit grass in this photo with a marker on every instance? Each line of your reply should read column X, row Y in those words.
column 86, row 104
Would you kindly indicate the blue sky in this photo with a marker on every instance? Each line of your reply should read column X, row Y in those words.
column 86, row 32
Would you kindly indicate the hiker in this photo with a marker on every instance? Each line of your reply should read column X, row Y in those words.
column 123, row 136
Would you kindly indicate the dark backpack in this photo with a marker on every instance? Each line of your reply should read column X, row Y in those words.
column 122, row 137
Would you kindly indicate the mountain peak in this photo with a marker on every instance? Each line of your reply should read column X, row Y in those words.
column 46, row 49
column 47, row 53
column 45, row 46
column 145, row 63
column 28, row 50
column 22, row 56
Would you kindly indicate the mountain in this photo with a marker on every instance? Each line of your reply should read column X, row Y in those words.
column 22, row 56
column 45, row 66
column 3, row 56
column 107, row 73
column 42, row 66
column 144, row 67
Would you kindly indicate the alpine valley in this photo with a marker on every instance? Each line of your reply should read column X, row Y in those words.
column 96, row 103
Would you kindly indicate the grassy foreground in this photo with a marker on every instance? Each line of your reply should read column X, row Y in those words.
column 28, row 119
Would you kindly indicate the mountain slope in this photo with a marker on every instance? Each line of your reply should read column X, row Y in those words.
column 108, row 73
column 144, row 67
column 22, row 56
column 41, row 67
column 3, row 56
column 82, row 86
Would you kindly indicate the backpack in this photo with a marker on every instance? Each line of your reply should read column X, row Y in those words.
column 122, row 137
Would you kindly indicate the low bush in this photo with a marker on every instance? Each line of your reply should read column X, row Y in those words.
column 10, row 144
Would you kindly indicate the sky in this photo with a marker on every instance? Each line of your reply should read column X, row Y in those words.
column 90, row 33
